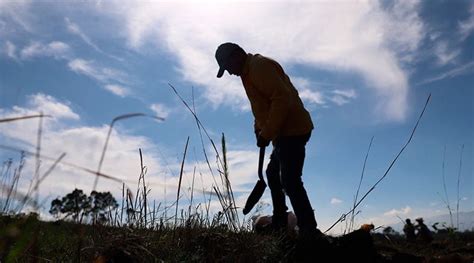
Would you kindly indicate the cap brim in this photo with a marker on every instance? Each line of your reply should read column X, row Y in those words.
column 220, row 72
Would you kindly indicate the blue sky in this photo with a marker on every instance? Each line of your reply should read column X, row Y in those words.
column 363, row 69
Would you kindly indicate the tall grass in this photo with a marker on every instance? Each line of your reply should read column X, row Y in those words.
column 179, row 183
column 446, row 196
column 10, row 179
column 343, row 216
column 350, row 226
column 458, row 184
column 12, row 191
column 111, row 125
column 445, row 199
column 225, row 197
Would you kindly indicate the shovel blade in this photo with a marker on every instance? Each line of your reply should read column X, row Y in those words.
column 254, row 196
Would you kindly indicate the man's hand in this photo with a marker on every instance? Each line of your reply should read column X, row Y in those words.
column 262, row 142
column 257, row 132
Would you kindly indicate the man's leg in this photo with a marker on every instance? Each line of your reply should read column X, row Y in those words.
column 279, row 218
column 291, row 156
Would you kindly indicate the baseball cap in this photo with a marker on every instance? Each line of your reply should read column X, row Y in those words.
column 223, row 53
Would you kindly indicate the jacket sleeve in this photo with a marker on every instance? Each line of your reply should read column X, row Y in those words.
column 269, row 80
column 256, row 129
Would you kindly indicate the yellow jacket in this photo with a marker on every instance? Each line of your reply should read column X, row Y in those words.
column 276, row 105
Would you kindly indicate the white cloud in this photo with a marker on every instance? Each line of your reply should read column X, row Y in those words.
column 83, row 146
column 335, row 201
column 56, row 49
column 312, row 96
column 10, row 50
column 18, row 12
column 85, row 67
column 307, row 92
column 460, row 70
column 51, row 106
column 347, row 36
column 47, row 105
column 394, row 212
column 364, row 37
column 350, row 93
column 434, row 36
column 76, row 30
column 60, row 50
column 444, row 54
column 3, row 26
column 466, row 27
column 117, row 90
column 342, row 97
column 102, row 74
column 339, row 100
column 403, row 28
column 160, row 110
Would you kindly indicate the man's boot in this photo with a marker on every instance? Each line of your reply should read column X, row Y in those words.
column 311, row 246
column 279, row 222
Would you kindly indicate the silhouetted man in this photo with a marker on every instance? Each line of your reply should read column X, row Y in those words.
column 409, row 230
column 424, row 234
column 280, row 118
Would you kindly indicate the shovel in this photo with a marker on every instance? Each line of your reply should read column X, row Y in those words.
column 259, row 188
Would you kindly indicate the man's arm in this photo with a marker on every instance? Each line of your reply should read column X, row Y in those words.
column 269, row 79
column 256, row 129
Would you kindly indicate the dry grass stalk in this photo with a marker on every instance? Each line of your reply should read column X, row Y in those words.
column 351, row 227
column 24, row 118
column 179, row 183
column 232, row 210
column 446, row 200
column 10, row 187
column 192, row 191
column 114, row 120
column 43, row 157
column 343, row 217
column 459, row 180
column 201, row 128
column 225, row 198
column 48, row 172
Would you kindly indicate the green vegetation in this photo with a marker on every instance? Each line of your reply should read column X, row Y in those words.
column 24, row 238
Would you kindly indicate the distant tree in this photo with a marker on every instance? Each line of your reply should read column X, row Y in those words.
column 56, row 207
column 73, row 205
column 78, row 205
column 101, row 205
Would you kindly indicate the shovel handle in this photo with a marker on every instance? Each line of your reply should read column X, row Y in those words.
column 261, row 157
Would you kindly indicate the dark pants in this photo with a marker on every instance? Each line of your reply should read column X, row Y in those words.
column 284, row 176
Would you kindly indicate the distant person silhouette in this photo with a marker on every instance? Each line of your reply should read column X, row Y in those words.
column 423, row 233
column 280, row 118
column 409, row 230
